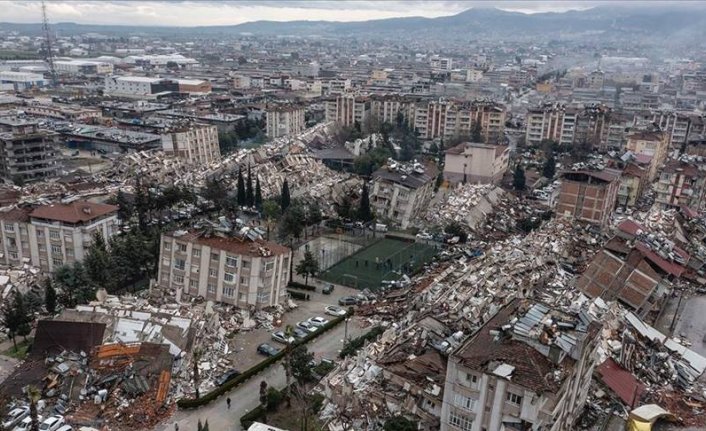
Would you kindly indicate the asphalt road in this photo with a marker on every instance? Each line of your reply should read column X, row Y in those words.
column 245, row 397
column 691, row 322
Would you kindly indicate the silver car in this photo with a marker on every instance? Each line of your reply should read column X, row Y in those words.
column 280, row 337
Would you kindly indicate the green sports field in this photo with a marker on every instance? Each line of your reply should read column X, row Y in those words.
column 385, row 259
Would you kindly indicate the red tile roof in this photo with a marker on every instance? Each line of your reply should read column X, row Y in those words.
column 232, row 244
column 621, row 381
column 631, row 227
column 665, row 265
column 75, row 212
column 15, row 215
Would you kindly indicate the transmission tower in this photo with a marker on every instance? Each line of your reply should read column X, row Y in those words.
column 48, row 53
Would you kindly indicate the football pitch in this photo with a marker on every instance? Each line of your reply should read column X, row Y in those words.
column 385, row 259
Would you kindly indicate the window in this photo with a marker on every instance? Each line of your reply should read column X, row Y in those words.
column 179, row 279
column 246, row 264
column 228, row 277
column 241, row 296
column 269, row 266
column 514, row 398
column 11, row 242
column 56, row 249
column 9, row 228
column 181, row 247
column 231, row 261
column 215, row 257
column 461, row 422
column 195, row 269
column 464, row 402
column 13, row 255
column 196, row 252
column 193, row 284
column 69, row 252
column 228, row 291
column 57, row 261
column 212, row 272
column 40, row 233
column 179, row 264
column 167, row 245
column 54, row 234
column 211, row 288
column 263, row 297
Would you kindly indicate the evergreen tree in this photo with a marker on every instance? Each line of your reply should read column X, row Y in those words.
column 258, row 194
column 249, row 193
column 125, row 207
column 476, row 132
column 309, row 266
column 98, row 262
column 14, row 317
column 241, row 197
column 364, row 213
column 75, row 287
column 205, row 425
column 49, row 296
column 142, row 204
column 518, row 178
column 284, row 199
column 292, row 222
column 549, row 168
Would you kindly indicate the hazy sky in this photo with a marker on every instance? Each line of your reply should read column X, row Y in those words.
column 209, row 12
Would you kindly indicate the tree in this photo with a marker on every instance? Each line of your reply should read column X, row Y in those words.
column 313, row 214
column 34, row 395
column 518, row 178
column 288, row 332
column 205, row 426
column 345, row 207
column 240, row 196
column 142, row 204
column 271, row 209
column 263, row 400
column 197, row 379
column 399, row 423
column 309, row 266
column 258, row 194
column 364, row 213
column 14, row 317
column 125, row 207
column 215, row 192
column 74, row 286
column 249, row 192
column 285, row 199
column 476, row 132
column 292, row 222
column 301, row 364
column 98, row 262
column 49, row 296
column 549, row 168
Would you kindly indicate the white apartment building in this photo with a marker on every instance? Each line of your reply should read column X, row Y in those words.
column 347, row 109
column 448, row 119
column 195, row 144
column 443, row 63
column 50, row 236
column 232, row 270
column 284, row 121
column 471, row 162
column 401, row 192
column 528, row 367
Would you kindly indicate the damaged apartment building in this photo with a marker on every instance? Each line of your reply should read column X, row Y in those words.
column 238, row 268
column 26, row 152
column 194, row 143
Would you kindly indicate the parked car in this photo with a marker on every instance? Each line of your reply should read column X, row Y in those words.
column 66, row 428
column 318, row 321
column 307, row 326
column 335, row 310
column 14, row 417
column 347, row 300
column 228, row 375
column 327, row 290
column 300, row 333
column 267, row 350
column 280, row 337
column 52, row 423
column 26, row 423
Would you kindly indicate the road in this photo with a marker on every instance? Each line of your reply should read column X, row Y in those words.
column 691, row 322
column 245, row 397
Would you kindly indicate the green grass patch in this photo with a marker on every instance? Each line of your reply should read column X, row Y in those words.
column 22, row 349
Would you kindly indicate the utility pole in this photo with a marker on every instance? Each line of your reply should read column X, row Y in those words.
column 48, row 53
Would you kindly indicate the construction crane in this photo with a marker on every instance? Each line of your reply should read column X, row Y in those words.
column 48, row 53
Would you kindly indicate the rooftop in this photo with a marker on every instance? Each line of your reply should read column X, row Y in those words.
column 232, row 244
column 413, row 175
column 74, row 212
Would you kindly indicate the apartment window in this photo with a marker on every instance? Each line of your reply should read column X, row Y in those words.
column 215, row 257
column 246, row 264
column 244, row 281
column 461, row 422
column 464, row 402
column 40, row 233
column 228, row 291
column 269, row 266
column 211, row 288
column 13, row 255
column 69, row 252
column 212, row 272
column 514, row 398
column 179, row 264
column 9, row 228
column 54, row 234
column 195, row 269
column 231, row 261
column 193, row 284
column 179, row 279
column 263, row 297
column 241, row 296
column 167, row 245
column 56, row 249
column 12, row 242
column 57, row 261
column 196, row 252
column 228, row 277
column 181, row 247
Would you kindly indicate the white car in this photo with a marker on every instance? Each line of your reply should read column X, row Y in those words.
column 15, row 415
column 66, row 428
column 280, row 337
column 318, row 321
column 307, row 326
column 335, row 310
column 26, row 423
column 52, row 423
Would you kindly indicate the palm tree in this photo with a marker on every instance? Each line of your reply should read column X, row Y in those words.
column 196, row 358
column 288, row 333
column 34, row 395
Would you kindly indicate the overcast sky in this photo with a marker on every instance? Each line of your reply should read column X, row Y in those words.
column 209, row 12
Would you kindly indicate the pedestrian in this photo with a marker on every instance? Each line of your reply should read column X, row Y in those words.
column 176, row 426
column 228, row 402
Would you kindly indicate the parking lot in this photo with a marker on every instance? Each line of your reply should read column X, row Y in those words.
column 246, row 354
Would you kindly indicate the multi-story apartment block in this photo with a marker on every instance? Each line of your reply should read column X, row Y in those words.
column 681, row 183
column 675, row 125
column 570, row 126
column 53, row 235
column 632, row 184
column 194, row 143
column 448, row 119
column 26, row 152
column 588, row 196
column 443, row 63
column 476, row 163
column 347, row 109
column 144, row 86
column 651, row 144
column 284, row 121
column 229, row 269
column 528, row 368
column 402, row 192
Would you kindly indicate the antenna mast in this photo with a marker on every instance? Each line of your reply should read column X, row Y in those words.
column 48, row 53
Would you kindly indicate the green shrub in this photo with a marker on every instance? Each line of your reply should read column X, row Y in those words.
column 351, row 347
column 274, row 398
column 317, row 401
column 296, row 285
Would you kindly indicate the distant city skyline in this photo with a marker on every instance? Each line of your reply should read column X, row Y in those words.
column 204, row 13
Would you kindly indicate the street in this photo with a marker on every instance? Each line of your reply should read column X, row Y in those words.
column 245, row 397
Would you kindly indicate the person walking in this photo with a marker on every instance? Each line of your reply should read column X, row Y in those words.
column 227, row 402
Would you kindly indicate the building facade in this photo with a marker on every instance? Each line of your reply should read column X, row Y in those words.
column 528, row 368
column 400, row 193
column 588, row 196
column 196, row 144
column 50, row 236
column 236, row 271
column 471, row 162
column 26, row 152
column 347, row 109
column 284, row 121
column 681, row 184
column 652, row 144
